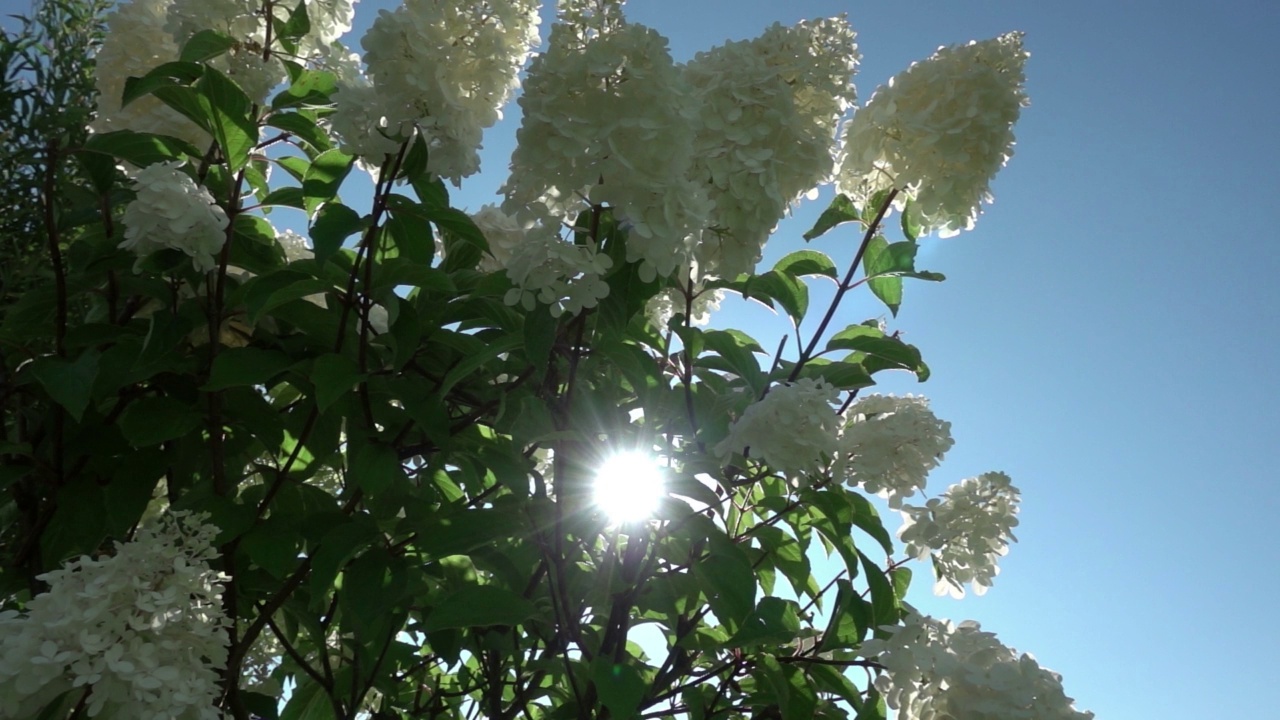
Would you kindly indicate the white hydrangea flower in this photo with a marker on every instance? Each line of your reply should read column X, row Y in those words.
column 966, row 532
column 576, row 150
column 171, row 211
column 765, row 131
column 666, row 304
column 793, row 429
column 143, row 628
column 444, row 67
column 504, row 233
column 935, row 670
column 939, row 132
column 136, row 42
column 243, row 21
column 565, row 276
column 889, row 444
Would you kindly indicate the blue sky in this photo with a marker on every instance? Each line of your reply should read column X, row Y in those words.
column 1105, row 335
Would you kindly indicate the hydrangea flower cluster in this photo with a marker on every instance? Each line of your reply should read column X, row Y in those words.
column 442, row 67
column 938, row 132
column 768, row 113
column 793, row 429
column 504, row 233
column 577, row 149
column 136, row 42
column 935, row 670
column 563, row 275
column 141, row 630
column 171, row 211
column 889, row 444
column 666, row 304
column 966, row 531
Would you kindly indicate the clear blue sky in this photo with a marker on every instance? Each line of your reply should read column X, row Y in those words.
column 1105, row 335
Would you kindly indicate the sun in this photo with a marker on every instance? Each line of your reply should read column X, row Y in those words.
column 628, row 487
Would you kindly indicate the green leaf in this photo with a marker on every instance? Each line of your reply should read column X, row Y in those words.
column 165, row 75
column 228, row 109
column 312, row 87
column 333, row 375
column 324, row 176
column 807, row 262
column 309, row 701
column 299, row 23
column 69, row 383
column 477, row 360
column 273, row 546
column 879, row 351
column 738, row 349
column 727, row 580
column 843, row 375
column 479, row 606
column 901, row 577
column 372, row 585
column 774, row 622
column 284, row 197
column 620, row 687
column 302, row 127
column 884, row 601
column 205, row 45
column 337, row 546
column 873, row 707
column 265, row 293
column 875, row 262
column 910, row 228
column 840, row 211
column 849, row 619
column 462, row 532
column 787, row 290
column 153, row 420
column 376, row 467
column 333, row 224
column 245, row 366
column 140, row 149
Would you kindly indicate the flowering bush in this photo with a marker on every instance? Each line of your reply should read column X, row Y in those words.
column 269, row 454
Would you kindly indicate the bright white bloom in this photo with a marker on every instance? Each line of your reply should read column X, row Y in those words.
column 171, row 211
column 966, row 531
column 504, row 234
column 243, row 21
column 136, row 42
column 670, row 302
column 792, row 429
column 444, row 67
column 939, row 132
column 548, row 270
column 143, row 627
column 935, row 670
column 889, row 445
column 577, row 149
column 765, row 130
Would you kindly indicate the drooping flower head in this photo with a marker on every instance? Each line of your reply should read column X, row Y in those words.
column 171, row 211
column 136, row 42
column 966, row 532
column 765, row 131
column 889, row 444
column 936, row 670
column 444, row 68
column 793, row 429
column 938, row 132
column 142, row 627
column 607, row 122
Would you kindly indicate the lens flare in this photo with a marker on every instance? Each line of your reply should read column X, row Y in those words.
column 628, row 487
